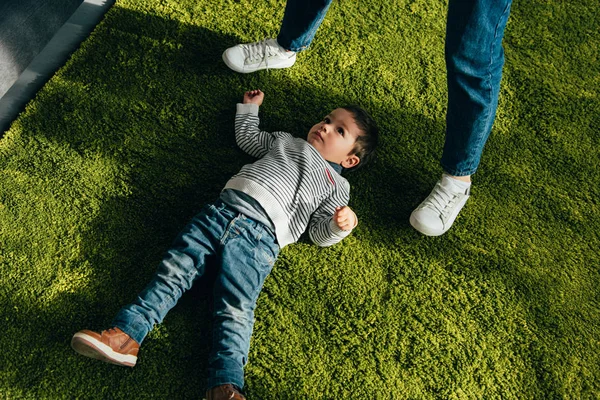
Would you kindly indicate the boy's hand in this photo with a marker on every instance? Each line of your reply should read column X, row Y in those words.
column 254, row 97
column 345, row 218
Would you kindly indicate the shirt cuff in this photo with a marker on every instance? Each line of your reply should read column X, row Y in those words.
column 249, row 108
column 337, row 231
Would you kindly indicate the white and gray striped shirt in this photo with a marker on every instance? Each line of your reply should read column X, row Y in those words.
column 294, row 184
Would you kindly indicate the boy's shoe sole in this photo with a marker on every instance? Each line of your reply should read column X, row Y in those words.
column 89, row 346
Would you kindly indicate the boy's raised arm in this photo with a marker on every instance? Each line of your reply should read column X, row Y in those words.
column 248, row 136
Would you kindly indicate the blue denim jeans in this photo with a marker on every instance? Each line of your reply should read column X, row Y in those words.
column 300, row 23
column 474, row 60
column 244, row 251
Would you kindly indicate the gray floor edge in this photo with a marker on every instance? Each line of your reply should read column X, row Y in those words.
column 53, row 56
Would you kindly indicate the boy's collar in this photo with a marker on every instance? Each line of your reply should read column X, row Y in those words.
column 336, row 167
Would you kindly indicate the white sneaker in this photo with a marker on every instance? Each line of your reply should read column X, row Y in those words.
column 436, row 214
column 253, row 57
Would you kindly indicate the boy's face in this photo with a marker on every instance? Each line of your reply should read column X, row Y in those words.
column 335, row 137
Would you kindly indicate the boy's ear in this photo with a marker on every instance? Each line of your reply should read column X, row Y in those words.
column 350, row 161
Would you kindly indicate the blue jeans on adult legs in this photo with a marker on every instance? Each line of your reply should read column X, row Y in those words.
column 300, row 22
column 246, row 251
column 474, row 60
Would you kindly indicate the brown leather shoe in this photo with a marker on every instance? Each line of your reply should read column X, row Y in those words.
column 112, row 345
column 224, row 392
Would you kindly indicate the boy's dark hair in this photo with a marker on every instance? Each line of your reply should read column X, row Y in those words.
column 367, row 142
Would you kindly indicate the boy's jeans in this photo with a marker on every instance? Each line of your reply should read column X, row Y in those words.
column 245, row 252
column 474, row 60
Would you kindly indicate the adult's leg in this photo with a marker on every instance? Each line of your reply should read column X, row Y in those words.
column 247, row 257
column 300, row 22
column 182, row 264
column 474, row 61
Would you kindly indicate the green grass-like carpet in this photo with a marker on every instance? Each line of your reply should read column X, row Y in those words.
column 135, row 134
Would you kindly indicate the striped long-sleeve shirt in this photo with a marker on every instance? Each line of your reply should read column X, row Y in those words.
column 293, row 183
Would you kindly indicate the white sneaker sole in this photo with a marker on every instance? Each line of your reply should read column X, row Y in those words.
column 428, row 231
column 424, row 229
column 91, row 347
column 288, row 63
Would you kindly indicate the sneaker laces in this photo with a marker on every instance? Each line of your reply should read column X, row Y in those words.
column 441, row 200
column 260, row 51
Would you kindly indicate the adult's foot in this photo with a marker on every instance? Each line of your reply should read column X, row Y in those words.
column 251, row 57
column 436, row 214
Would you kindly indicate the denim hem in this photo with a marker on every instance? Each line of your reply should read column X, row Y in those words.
column 131, row 331
column 224, row 380
column 289, row 47
column 458, row 172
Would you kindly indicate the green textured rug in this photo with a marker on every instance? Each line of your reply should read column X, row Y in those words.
column 135, row 134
